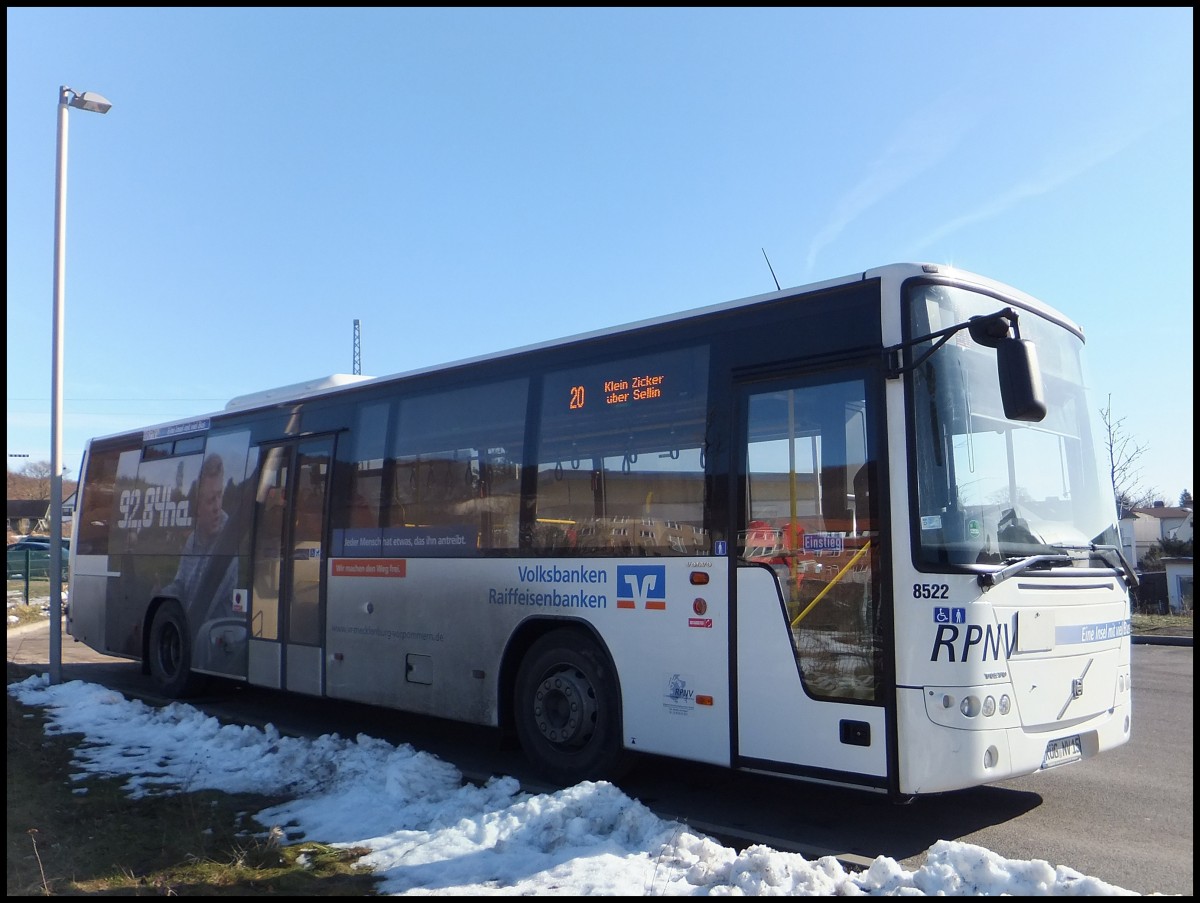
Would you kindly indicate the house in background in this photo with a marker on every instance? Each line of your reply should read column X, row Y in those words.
column 27, row 516
column 1148, row 527
column 1142, row 529
column 1179, row 585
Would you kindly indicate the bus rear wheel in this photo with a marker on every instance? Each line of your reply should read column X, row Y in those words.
column 171, row 653
column 568, row 711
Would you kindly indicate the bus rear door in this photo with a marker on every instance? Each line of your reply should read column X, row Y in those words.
column 289, row 555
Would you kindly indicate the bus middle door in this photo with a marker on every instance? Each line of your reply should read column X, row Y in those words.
column 291, row 523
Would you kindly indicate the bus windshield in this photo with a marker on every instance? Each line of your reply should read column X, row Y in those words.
column 991, row 490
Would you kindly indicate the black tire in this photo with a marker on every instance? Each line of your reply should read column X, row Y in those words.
column 567, row 708
column 171, row 653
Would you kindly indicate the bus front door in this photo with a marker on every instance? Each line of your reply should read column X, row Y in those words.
column 809, row 653
column 289, row 555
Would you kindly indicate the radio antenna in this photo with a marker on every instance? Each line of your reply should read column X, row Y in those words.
column 772, row 269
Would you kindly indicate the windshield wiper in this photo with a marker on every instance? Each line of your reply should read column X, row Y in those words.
column 1131, row 578
column 990, row 579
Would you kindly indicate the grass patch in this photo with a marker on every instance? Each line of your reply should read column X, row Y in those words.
column 1178, row 624
column 70, row 837
column 20, row 614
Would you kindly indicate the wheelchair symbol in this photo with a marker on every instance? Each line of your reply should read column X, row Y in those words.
column 943, row 615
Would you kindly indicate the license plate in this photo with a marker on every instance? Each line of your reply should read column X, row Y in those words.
column 1060, row 752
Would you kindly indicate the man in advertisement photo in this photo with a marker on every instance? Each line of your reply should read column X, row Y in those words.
column 208, row 569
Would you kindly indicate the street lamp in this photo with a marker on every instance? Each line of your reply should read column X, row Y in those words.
column 92, row 102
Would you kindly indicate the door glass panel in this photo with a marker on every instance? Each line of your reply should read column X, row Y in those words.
column 308, row 520
column 808, row 515
column 269, row 527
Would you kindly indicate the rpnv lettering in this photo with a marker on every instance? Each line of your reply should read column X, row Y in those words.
column 990, row 643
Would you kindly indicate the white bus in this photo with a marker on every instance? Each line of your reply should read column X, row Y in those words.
column 858, row 533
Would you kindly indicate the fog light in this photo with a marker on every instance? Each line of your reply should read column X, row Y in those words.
column 990, row 757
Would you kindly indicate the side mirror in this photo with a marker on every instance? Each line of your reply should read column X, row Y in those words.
column 1020, row 380
column 991, row 330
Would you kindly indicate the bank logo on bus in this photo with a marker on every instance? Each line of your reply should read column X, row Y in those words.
column 642, row 586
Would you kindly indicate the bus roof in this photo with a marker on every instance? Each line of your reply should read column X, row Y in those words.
column 295, row 390
column 339, row 381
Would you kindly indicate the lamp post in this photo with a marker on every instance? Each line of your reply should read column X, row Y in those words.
column 87, row 100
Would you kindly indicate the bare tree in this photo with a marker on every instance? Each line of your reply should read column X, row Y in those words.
column 37, row 479
column 32, row 481
column 1123, row 454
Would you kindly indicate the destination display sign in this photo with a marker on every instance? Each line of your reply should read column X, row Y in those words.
column 620, row 390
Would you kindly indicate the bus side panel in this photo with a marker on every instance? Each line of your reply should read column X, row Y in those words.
column 940, row 748
column 86, row 600
column 669, row 639
column 135, row 542
column 94, row 570
column 125, row 596
column 428, row 635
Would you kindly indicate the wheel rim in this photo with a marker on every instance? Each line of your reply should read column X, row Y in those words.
column 170, row 650
column 564, row 708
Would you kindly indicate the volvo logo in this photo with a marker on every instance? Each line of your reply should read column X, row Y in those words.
column 1076, row 688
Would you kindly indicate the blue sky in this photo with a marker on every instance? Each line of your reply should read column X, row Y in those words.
column 468, row 180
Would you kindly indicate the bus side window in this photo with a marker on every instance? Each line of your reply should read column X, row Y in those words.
column 621, row 457
column 361, row 512
column 96, row 515
column 358, row 473
column 449, row 456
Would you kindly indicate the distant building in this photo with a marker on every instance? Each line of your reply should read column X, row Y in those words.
column 27, row 516
column 1179, row 585
column 32, row 516
column 1148, row 527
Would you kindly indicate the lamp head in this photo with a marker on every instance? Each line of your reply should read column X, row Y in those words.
column 90, row 101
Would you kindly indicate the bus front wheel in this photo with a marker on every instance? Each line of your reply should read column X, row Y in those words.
column 567, row 710
column 171, row 653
